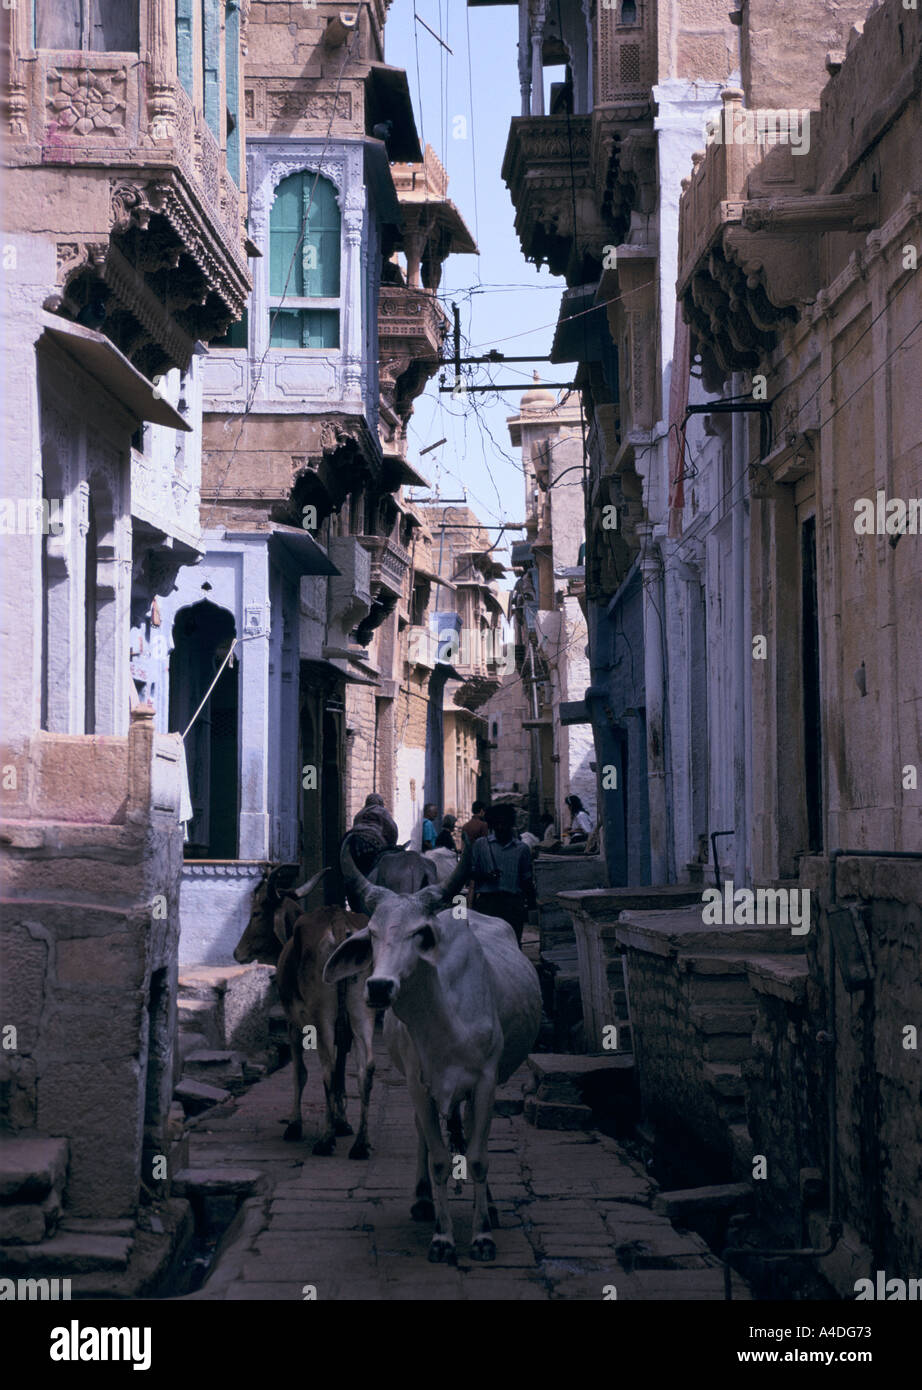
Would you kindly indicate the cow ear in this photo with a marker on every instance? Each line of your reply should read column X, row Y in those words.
column 349, row 958
column 431, row 899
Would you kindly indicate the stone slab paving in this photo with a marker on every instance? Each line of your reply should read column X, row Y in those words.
column 575, row 1212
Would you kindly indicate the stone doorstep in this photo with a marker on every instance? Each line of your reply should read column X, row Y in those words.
column 784, row 977
column 726, row 1079
column 687, row 1203
column 70, row 1253
column 213, row 977
column 22, row 1224
column 221, row 1069
column 557, row 1077
column 31, row 1167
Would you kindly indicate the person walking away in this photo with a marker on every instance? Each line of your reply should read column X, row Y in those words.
column 374, row 830
column 430, row 812
column 580, row 822
column 504, row 884
column 476, row 827
column 446, row 836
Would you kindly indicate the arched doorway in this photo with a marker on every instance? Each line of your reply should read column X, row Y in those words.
column 201, row 637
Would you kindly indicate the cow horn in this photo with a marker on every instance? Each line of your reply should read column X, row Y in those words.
column 459, row 878
column 310, row 885
column 355, row 879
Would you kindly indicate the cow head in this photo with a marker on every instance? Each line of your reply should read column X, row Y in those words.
column 402, row 931
column 270, row 918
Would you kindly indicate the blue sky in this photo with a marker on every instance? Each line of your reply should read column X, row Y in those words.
column 486, row 94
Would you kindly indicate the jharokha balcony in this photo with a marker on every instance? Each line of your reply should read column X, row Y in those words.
column 749, row 234
column 148, row 182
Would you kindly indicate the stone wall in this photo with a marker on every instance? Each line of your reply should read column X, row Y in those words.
column 359, row 774
column 89, row 944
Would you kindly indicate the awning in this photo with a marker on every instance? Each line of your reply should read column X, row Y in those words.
column 576, row 334
column 334, row 670
column 301, row 548
column 99, row 356
column 404, row 471
column 425, row 573
column 390, row 101
column 574, row 712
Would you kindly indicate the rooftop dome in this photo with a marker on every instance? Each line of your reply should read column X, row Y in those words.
column 538, row 398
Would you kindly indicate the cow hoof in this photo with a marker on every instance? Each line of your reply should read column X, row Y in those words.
column 493, row 1214
column 483, row 1249
column 293, row 1131
column 442, row 1251
column 423, row 1210
column 360, row 1149
column 343, row 1127
column 324, row 1147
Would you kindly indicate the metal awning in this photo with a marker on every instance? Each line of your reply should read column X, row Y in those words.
column 335, row 670
column 301, row 548
column 99, row 356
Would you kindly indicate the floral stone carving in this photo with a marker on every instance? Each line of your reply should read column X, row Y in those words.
column 86, row 102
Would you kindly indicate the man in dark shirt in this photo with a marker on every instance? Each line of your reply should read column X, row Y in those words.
column 504, row 884
column 477, row 826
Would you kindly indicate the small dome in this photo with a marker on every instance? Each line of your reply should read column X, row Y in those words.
column 538, row 398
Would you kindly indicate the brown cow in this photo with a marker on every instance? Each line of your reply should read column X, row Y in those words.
column 332, row 1013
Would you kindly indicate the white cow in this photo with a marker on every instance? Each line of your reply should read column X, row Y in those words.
column 464, row 1009
column 445, row 861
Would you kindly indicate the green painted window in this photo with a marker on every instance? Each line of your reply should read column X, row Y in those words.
column 232, row 83
column 304, row 273
column 184, row 43
column 211, row 65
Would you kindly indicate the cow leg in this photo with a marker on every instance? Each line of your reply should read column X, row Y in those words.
column 342, row 1041
column 299, row 1077
column 327, row 1052
column 483, row 1246
column 442, row 1246
column 423, row 1209
column 363, row 1033
column 468, row 1124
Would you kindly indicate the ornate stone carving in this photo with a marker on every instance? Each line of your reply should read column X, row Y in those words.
column 87, row 102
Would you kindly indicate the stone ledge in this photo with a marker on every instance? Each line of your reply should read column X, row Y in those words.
column 785, row 978
column 668, row 933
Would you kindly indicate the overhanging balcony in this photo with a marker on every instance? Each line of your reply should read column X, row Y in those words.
column 390, row 564
column 411, row 329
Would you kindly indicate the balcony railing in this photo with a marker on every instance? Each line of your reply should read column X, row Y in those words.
column 390, row 564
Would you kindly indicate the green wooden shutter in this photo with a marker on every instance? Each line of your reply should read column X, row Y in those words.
column 232, row 80
column 323, row 235
column 304, row 199
column 284, row 230
column 184, row 20
column 211, row 64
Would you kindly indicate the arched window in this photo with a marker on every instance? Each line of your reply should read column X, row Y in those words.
column 629, row 12
column 102, row 26
column 304, row 273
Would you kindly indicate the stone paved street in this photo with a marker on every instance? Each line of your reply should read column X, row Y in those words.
column 575, row 1212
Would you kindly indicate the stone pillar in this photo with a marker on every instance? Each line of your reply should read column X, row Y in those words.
column 162, row 73
column 254, row 708
column 652, row 571
column 537, row 69
column 353, row 223
column 524, row 58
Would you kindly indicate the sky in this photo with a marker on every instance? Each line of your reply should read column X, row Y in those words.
column 504, row 301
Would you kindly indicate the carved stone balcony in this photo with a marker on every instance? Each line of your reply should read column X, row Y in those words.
column 390, row 564
column 749, row 237
column 156, row 256
column 349, row 591
column 411, row 329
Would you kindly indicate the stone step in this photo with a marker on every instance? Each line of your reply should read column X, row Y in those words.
column 726, row 1079
column 69, row 1252
column 685, row 1205
column 216, row 1068
column 101, row 1226
column 726, row 1047
column 545, row 1114
column 731, row 1018
column 190, row 1041
column 22, row 1223
column 196, row 1096
column 563, row 1078
column 31, row 1167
